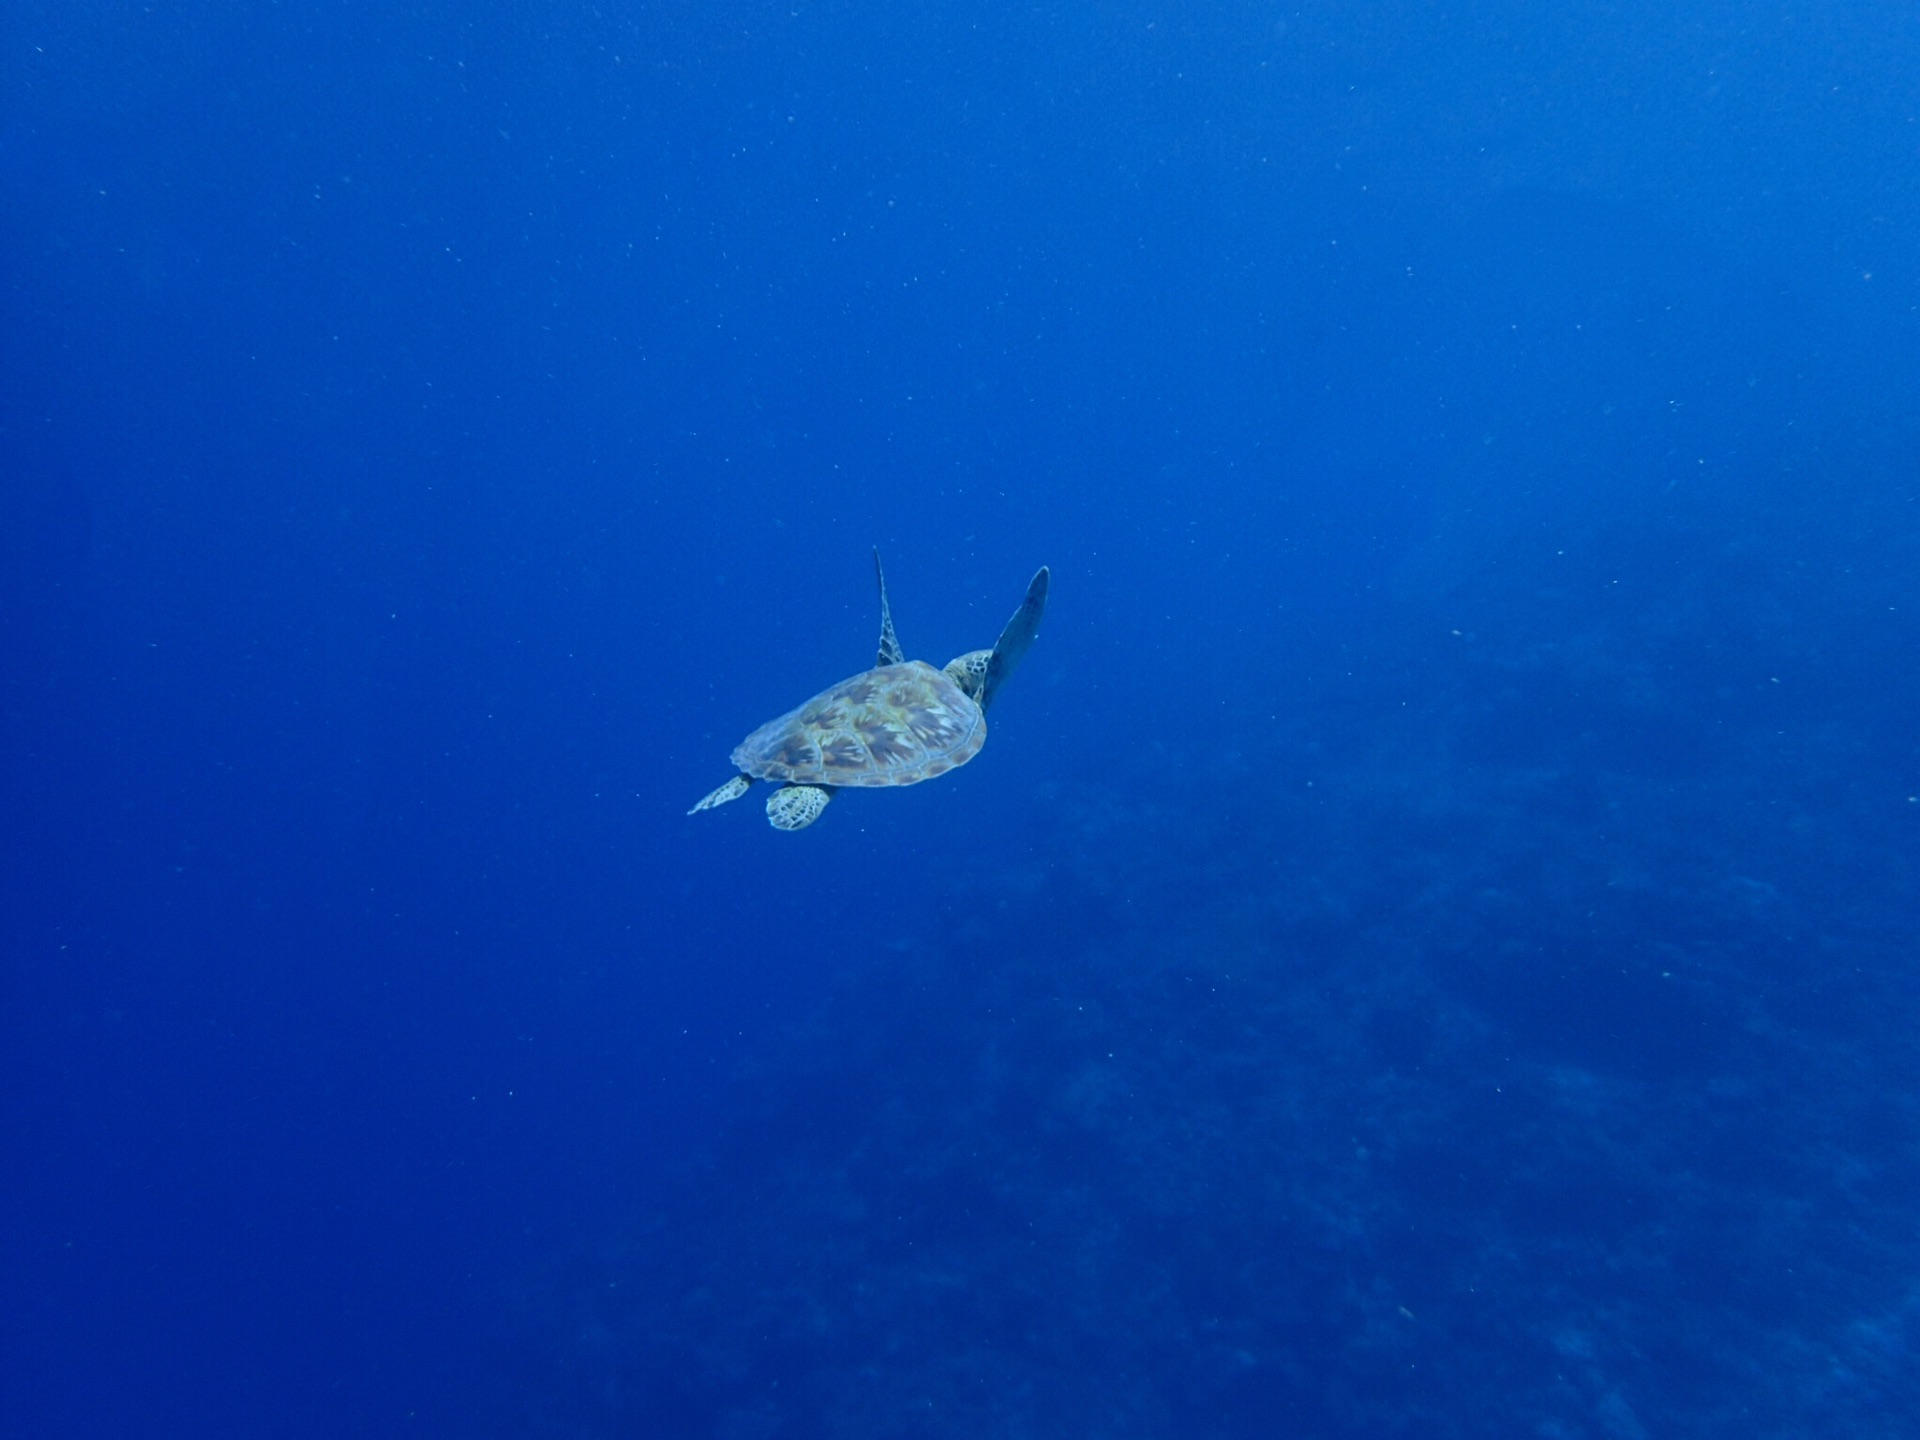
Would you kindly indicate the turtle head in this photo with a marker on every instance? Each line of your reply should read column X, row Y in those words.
column 969, row 672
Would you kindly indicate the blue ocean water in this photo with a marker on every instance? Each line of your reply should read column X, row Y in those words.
column 1428, row 950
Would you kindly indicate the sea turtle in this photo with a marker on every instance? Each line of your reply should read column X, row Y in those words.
column 897, row 724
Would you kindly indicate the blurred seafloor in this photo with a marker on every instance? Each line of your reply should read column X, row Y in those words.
column 1533, row 1057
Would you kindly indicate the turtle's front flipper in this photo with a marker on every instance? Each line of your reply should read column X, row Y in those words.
column 890, row 651
column 794, row 807
column 732, row 790
column 1015, row 639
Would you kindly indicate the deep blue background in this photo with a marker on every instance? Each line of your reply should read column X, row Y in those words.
column 433, row 435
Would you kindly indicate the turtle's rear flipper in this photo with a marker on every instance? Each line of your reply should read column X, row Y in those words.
column 794, row 807
column 732, row 790
column 1014, row 640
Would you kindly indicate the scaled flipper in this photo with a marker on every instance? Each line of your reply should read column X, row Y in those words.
column 1014, row 640
column 732, row 790
column 890, row 651
column 794, row 807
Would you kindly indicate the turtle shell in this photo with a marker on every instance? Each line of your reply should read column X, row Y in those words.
column 895, row 725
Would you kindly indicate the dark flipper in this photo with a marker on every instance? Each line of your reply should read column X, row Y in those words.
column 1015, row 639
column 890, row 652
